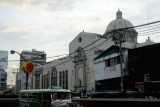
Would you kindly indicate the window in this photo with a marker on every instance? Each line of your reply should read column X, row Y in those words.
column 3, row 84
column 60, row 95
column 2, row 79
column 46, row 81
column 60, row 78
column 66, row 79
column 42, row 82
column 79, row 39
column 54, row 77
column 113, row 61
column 63, row 81
column 37, row 81
column 118, row 60
column 3, row 75
column 107, row 63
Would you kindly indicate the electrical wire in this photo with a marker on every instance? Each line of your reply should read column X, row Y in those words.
column 138, row 26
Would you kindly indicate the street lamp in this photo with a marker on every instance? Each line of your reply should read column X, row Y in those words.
column 27, row 74
column 12, row 52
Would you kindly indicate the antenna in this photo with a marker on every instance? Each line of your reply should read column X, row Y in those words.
column 148, row 19
column 117, row 4
column 148, row 15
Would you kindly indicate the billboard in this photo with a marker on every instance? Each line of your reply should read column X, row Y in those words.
column 3, row 59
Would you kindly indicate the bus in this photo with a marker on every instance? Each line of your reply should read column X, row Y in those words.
column 53, row 97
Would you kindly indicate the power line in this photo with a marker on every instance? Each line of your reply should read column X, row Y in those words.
column 144, row 34
column 140, row 25
column 100, row 44
column 117, row 30
column 150, row 29
column 101, row 38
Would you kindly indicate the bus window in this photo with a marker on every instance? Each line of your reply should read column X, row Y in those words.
column 65, row 95
column 23, row 95
column 60, row 99
column 46, row 96
column 54, row 96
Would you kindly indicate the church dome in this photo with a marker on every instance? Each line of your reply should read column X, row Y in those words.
column 128, row 35
column 118, row 23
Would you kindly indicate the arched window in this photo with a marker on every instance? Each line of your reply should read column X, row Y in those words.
column 66, row 79
column 60, row 78
column 63, row 79
column 37, row 81
column 42, row 82
column 54, row 77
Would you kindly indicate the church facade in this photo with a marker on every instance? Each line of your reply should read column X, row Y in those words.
column 74, row 72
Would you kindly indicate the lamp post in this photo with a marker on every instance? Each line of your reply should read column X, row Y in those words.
column 27, row 74
column 15, row 74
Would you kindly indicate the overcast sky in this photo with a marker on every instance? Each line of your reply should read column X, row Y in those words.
column 50, row 25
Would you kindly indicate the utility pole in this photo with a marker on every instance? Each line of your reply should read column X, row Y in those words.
column 118, row 38
column 122, row 73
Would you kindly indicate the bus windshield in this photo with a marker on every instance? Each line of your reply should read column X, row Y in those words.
column 60, row 95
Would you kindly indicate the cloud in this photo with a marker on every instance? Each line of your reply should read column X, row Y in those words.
column 36, row 5
column 23, row 28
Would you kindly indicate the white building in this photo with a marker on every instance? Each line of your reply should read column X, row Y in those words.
column 3, row 59
column 3, row 79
